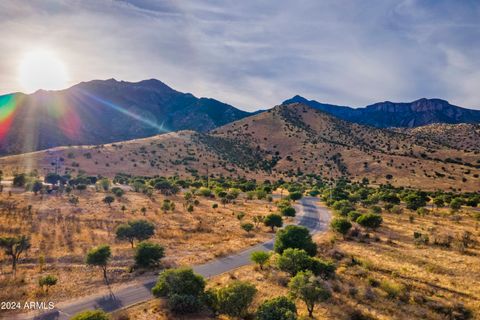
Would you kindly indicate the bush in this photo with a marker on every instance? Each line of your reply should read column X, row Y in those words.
column 288, row 211
column 295, row 237
column 148, row 254
column 91, row 315
column 341, row 225
column 247, row 226
column 183, row 286
column 294, row 261
column 295, row 195
column 370, row 220
column 47, row 281
column 234, row 299
column 260, row 258
column 184, row 303
column 375, row 209
column 343, row 207
column 279, row 308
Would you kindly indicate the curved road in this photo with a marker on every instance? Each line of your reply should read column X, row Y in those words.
column 310, row 215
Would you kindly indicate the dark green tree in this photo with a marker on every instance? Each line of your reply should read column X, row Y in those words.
column 99, row 257
column 273, row 220
column 148, row 254
column 278, row 308
column 135, row 230
column 341, row 225
column 295, row 237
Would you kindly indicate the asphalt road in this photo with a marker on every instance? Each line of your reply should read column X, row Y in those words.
column 309, row 214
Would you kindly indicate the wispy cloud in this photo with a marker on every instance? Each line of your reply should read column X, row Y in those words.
column 255, row 54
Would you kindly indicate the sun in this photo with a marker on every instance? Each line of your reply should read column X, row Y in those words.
column 42, row 69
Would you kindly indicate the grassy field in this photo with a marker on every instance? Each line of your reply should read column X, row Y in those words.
column 62, row 233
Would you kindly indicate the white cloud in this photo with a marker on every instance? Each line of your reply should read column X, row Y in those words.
column 255, row 54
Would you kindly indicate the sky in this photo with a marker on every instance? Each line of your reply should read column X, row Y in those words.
column 255, row 54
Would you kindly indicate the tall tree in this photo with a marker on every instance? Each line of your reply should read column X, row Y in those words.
column 99, row 257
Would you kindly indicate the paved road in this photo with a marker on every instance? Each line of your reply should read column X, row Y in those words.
column 309, row 214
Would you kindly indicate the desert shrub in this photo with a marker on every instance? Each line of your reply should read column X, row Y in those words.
column 185, row 287
column 279, row 308
column 234, row 299
column 341, row 225
column 273, row 220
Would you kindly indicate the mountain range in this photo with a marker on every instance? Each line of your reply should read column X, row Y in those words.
column 285, row 141
column 105, row 111
column 397, row 114
column 98, row 111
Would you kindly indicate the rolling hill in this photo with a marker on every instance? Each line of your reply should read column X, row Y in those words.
column 286, row 141
column 394, row 114
column 100, row 111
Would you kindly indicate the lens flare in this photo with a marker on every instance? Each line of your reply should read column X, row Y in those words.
column 8, row 105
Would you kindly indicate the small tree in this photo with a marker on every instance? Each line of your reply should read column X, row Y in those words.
column 438, row 201
column 295, row 195
column 278, row 308
column 260, row 258
column 148, row 254
column 234, row 299
column 415, row 201
column 47, row 281
column 91, row 315
column 257, row 220
column 295, row 237
column 308, row 288
column 136, row 229
column 143, row 210
column 341, row 225
column 288, row 211
column 247, row 227
column 370, row 221
column 37, row 186
column 19, row 180
column 14, row 247
column 104, row 184
column 294, row 261
column 273, row 220
column 456, row 204
column 182, row 287
column 99, row 257
column 109, row 200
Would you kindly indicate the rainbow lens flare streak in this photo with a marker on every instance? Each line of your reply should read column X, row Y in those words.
column 137, row 117
column 8, row 104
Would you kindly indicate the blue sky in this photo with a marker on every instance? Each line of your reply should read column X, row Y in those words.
column 255, row 54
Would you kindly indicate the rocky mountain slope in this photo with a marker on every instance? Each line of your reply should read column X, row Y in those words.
column 286, row 141
column 99, row 112
column 393, row 114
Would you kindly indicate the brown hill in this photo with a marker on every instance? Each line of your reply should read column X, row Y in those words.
column 461, row 136
column 285, row 141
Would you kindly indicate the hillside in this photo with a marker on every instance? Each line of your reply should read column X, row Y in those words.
column 99, row 112
column 286, row 141
column 393, row 114
column 460, row 136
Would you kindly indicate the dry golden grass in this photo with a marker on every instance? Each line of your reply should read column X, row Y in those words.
column 63, row 233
